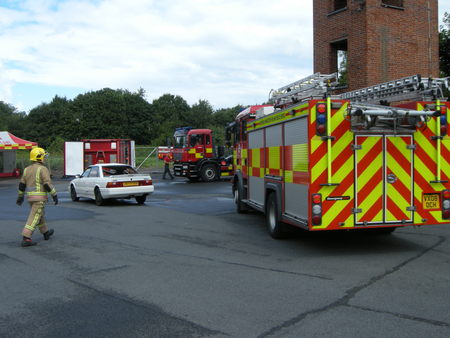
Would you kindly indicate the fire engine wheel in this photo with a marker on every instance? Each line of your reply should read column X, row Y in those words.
column 73, row 194
column 273, row 219
column 98, row 197
column 240, row 206
column 209, row 173
column 141, row 199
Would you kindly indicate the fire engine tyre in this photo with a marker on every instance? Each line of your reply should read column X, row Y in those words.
column 240, row 206
column 209, row 173
column 73, row 194
column 141, row 199
column 273, row 218
column 98, row 197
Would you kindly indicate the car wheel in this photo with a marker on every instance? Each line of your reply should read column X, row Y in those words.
column 73, row 194
column 141, row 199
column 209, row 173
column 98, row 197
column 274, row 225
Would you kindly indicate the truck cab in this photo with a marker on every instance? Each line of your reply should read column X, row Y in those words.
column 195, row 156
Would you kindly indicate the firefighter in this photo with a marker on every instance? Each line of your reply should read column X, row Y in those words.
column 37, row 178
column 167, row 160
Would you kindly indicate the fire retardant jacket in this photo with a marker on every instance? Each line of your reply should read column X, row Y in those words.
column 37, row 178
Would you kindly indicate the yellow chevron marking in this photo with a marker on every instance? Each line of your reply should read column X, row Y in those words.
column 318, row 169
column 398, row 171
column 398, row 199
column 334, row 211
column 342, row 173
column 376, row 193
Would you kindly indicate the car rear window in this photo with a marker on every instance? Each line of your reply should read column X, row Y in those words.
column 118, row 170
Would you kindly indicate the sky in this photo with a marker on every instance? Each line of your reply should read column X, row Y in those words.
column 228, row 52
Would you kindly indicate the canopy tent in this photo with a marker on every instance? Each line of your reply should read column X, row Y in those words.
column 10, row 142
column 8, row 146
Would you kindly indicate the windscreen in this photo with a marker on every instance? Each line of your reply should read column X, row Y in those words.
column 118, row 170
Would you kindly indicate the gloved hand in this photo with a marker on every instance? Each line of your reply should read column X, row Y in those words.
column 55, row 199
column 19, row 200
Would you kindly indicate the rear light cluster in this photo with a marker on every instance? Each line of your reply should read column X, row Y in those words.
column 443, row 117
column 316, row 209
column 321, row 119
column 127, row 184
column 446, row 204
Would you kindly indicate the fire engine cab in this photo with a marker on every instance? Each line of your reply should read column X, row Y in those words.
column 333, row 162
column 195, row 156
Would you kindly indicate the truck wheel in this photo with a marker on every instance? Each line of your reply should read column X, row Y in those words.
column 209, row 173
column 240, row 206
column 98, row 197
column 275, row 226
column 141, row 199
column 73, row 194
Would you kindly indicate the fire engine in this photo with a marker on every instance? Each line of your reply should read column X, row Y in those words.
column 195, row 156
column 333, row 162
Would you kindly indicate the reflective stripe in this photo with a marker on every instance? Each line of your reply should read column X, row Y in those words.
column 36, row 193
column 38, row 179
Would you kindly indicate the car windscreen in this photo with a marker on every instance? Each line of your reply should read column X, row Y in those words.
column 118, row 170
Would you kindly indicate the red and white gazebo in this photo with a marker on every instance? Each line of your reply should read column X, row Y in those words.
column 8, row 146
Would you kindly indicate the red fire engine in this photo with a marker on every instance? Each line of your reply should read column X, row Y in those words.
column 323, row 162
column 195, row 157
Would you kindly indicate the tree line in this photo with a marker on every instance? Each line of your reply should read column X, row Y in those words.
column 109, row 113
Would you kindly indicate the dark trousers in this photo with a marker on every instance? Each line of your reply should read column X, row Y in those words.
column 167, row 171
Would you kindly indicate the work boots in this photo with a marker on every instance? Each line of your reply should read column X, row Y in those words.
column 26, row 241
column 48, row 233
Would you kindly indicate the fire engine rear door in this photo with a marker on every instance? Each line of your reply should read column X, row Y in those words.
column 384, row 184
column 369, row 179
column 398, row 179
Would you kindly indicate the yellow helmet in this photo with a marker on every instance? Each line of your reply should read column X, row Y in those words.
column 38, row 155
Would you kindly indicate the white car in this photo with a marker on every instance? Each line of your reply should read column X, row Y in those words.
column 111, row 180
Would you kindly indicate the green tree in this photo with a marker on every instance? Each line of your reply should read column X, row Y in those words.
column 444, row 46
column 11, row 119
column 167, row 113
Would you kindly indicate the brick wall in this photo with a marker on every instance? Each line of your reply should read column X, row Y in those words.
column 383, row 43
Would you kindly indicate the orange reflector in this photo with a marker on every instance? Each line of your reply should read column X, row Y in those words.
column 321, row 108
column 316, row 198
column 446, row 194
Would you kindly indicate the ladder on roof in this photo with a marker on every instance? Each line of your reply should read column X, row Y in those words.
column 407, row 88
column 310, row 86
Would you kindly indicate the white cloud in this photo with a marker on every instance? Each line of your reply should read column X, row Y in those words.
column 225, row 51
column 201, row 49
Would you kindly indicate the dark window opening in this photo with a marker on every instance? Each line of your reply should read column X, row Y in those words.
column 339, row 61
column 339, row 4
column 392, row 3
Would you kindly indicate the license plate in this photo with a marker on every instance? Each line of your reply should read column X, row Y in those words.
column 431, row 201
column 130, row 184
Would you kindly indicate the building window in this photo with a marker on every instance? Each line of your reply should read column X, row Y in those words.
column 392, row 3
column 339, row 4
column 339, row 61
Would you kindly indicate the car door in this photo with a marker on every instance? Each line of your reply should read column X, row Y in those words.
column 92, row 180
column 80, row 183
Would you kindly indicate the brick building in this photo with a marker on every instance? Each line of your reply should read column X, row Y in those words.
column 383, row 39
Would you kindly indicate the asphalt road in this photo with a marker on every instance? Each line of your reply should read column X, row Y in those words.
column 186, row 265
